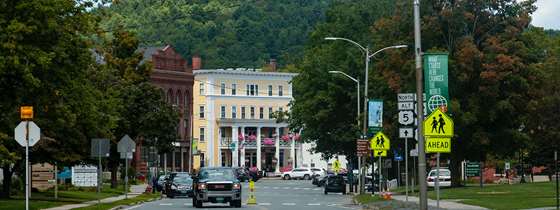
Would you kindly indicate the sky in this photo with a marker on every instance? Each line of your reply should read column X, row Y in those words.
column 547, row 14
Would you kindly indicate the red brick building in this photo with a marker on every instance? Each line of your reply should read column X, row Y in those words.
column 174, row 75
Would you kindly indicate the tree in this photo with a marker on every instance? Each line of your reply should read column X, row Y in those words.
column 44, row 58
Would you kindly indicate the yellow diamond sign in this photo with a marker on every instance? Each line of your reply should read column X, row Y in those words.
column 438, row 145
column 380, row 142
column 438, row 124
column 380, row 153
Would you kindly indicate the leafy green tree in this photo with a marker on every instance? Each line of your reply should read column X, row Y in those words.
column 44, row 57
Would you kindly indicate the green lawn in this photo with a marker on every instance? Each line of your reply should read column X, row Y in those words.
column 130, row 201
column 40, row 200
column 517, row 196
column 367, row 198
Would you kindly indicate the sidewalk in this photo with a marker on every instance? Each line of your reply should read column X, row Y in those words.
column 135, row 190
column 443, row 204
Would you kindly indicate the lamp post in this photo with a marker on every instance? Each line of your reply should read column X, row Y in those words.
column 368, row 56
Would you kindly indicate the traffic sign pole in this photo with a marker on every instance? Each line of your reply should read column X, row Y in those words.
column 437, row 180
column 126, row 176
column 406, row 166
column 27, row 165
column 380, row 181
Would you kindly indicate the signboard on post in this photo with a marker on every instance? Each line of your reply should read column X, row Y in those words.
column 84, row 176
column 379, row 153
column 436, row 80
column 406, row 133
column 375, row 115
column 34, row 133
column 438, row 145
column 362, row 147
column 472, row 169
column 26, row 112
column 100, row 147
column 126, row 144
column 380, row 142
column 438, row 124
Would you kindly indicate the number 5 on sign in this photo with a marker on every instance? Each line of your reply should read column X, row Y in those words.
column 406, row 117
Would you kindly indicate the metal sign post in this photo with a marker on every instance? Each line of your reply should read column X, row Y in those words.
column 99, row 148
column 556, row 177
column 406, row 166
column 126, row 147
column 27, row 134
column 437, row 180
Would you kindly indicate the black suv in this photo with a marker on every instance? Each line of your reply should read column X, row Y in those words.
column 216, row 185
column 335, row 183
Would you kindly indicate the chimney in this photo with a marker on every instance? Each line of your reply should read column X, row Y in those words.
column 272, row 65
column 196, row 62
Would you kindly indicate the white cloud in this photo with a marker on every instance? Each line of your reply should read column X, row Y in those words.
column 547, row 14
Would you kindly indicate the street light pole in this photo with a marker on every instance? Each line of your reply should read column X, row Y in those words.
column 419, row 94
column 368, row 56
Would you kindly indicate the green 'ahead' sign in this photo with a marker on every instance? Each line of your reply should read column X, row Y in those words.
column 436, row 84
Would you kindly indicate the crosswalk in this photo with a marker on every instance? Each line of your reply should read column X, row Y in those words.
column 289, row 188
column 268, row 204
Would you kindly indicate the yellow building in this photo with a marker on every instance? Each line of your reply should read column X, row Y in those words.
column 233, row 111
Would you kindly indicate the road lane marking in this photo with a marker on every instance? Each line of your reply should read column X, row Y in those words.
column 286, row 188
column 288, row 204
column 166, row 204
column 313, row 204
column 275, row 188
column 188, row 204
column 264, row 204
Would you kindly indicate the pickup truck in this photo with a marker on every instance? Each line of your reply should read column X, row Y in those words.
column 216, row 185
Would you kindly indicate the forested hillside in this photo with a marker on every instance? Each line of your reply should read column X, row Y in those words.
column 226, row 33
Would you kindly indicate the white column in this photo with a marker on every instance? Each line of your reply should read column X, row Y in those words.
column 234, row 161
column 219, row 145
column 293, row 152
column 243, row 150
column 259, row 148
column 277, row 152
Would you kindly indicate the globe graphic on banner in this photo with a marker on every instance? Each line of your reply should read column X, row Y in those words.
column 436, row 101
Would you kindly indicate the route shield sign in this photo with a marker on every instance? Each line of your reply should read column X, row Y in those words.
column 380, row 153
column 438, row 145
column 438, row 124
column 380, row 142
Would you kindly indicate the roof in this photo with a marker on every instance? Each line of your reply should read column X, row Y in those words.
column 148, row 52
column 242, row 71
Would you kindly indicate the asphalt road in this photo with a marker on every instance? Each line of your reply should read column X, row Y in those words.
column 271, row 195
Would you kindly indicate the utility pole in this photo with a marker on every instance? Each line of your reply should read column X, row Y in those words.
column 419, row 94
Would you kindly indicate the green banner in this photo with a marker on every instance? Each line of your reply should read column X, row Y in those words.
column 194, row 146
column 436, row 84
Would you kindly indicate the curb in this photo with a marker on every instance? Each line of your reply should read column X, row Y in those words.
column 135, row 204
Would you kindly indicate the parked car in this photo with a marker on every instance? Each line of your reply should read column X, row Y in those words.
column 216, row 185
column 255, row 174
column 298, row 173
column 444, row 178
column 316, row 172
column 335, row 183
column 318, row 178
column 160, row 186
column 179, row 184
column 242, row 174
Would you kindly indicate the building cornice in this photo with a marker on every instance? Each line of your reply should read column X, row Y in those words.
column 242, row 72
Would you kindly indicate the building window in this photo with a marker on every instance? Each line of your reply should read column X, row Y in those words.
column 201, row 135
column 261, row 112
column 252, row 90
column 177, row 98
column 280, row 91
column 280, row 109
column 242, row 112
column 247, row 89
column 281, row 157
column 223, row 89
column 201, row 112
column 233, row 112
column 270, row 112
column 223, row 112
column 201, row 88
column 252, row 112
column 256, row 90
column 233, row 89
column 270, row 90
column 202, row 161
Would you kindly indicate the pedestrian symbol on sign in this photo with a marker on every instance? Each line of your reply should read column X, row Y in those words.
column 438, row 124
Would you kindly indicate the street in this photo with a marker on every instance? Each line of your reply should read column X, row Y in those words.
column 271, row 195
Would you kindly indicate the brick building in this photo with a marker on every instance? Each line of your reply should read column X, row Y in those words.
column 173, row 74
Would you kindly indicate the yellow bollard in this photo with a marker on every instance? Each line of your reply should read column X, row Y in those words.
column 252, row 199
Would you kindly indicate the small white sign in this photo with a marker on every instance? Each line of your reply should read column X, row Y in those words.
column 414, row 153
column 403, row 97
column 406, row 105
column 406, row 133
column 406, row 117
column 34, row 133
column 507, row 166
column 84, row 176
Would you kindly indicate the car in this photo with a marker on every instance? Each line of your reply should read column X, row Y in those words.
column 242, row 174
column 179, row 184
column 335, row 183
column 444, row 178
column 160, row 186
column 216, row 185
column 298, row 173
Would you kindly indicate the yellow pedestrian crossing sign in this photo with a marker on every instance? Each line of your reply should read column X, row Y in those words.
column 379, row 153
column 438, row 124
column 336, row 166
column 438, row 145
column 380, row 142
